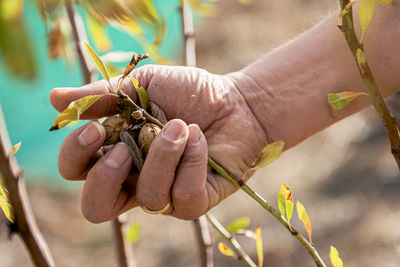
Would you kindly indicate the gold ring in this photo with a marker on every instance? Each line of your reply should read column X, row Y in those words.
column 160, row 211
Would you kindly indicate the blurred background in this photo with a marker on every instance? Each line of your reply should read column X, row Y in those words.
column 345, row 176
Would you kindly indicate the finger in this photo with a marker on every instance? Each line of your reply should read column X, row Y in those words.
column 189, row 192
column 156, row 178
column 103, row 197
column 60, row 98
column 78, row 149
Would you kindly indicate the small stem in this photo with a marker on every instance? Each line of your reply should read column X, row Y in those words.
column 240, row 183
column 124, row 254
column 204, row 241
column 24, row 220
column 369, row 81
column 232, row 241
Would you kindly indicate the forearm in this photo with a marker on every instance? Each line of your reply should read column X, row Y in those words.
column 287, row 89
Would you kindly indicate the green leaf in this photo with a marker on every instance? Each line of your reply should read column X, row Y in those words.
column 335, row 259
column 238, row 224
column 15, row 148
column 365, row 13
column 259, row 246
column 386, row 2
column 97, row 61
column 132, row 233
column 225, row 250
column 285, row 202
column 303, row 216
column 341, row 100
column 143, row 97
column 269, row 154
column 73, row 111
column 97, row 33
column 16, row 50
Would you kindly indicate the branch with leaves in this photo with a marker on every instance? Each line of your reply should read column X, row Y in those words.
column 340, row 100
column 15, row 204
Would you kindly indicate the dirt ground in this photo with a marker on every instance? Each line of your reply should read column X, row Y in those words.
column 345, row 176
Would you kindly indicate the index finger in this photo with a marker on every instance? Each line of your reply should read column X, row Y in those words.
column 60, row 98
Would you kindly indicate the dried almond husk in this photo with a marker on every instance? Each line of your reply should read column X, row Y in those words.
column 158, row 113
column 147, row 134
column 114, row 126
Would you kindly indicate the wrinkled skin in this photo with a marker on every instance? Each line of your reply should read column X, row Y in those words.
column 208, row 116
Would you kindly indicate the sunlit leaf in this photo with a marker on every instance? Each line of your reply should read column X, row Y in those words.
column 145, row 10
column 303, row 216
column 386, row 2
column 269, row 154
column 238, row 224
column 15, row 148
column 16, row 48
column 97, row 61
column 97, row 33
column 225, row 250
column 143, row 97
column 342, row 99
column 4, row 204
column 285, row 202
column 132, row 233
column 335, row 259
column 73, row 111
column 365, row 12
column 259, row 246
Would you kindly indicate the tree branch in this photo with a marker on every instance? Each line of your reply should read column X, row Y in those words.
column 371, row 86
column 240, row 183
column 124, row 257
column 124, row 253
column 24, row 222
column 79, row 35
column 200, row 224
column 232, row 241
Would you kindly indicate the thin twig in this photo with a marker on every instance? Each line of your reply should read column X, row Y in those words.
column 123, row 250
column 24, row 220
column 232, row 241
column 371, row 86
column 79, row 35
column 125, row 258
column 200, row 225
column 240, row 183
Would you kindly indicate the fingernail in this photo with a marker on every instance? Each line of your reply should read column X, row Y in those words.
column 174, row 130
column 90, row 135
column 118, row 156
column 194, row 134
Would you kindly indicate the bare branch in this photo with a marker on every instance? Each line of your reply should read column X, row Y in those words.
column 25, row 223
column 79, row 35
column 123, row 249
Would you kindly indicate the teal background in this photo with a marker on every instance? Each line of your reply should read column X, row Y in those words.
column 26, row 104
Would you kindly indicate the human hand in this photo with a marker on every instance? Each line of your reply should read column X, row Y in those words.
column 212, row 118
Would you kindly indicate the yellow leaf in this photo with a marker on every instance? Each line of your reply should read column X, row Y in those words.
column 335, row 259
column 97, row 33
column 132, row 233
column 285, row 202
column 269, row 154
column 225, row 250
column 238, row 224
column 73, row 111
column 303, row 216
column 97, row 61
column 365, row 12
column 15, row 148
column 259, row 246
column 145, row 10
column 342, row 99
column 4, row 204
